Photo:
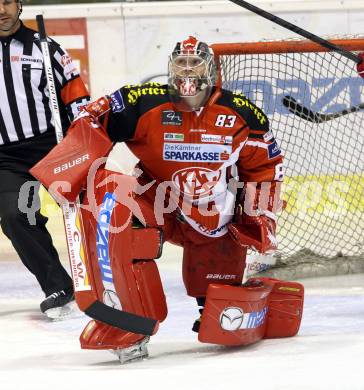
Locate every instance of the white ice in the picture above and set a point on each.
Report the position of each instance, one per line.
(328, 353)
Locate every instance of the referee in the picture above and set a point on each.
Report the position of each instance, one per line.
(27, 134)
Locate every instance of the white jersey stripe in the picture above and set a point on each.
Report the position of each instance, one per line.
(5, 110)
(258, 144)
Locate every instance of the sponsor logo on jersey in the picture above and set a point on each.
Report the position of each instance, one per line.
(25, 59)
(172, 118)
(273, 150)
(178, 137)
(66, 60)
(242, 101)
(217, 139)
(136, 91)
(268, 136)
(197, 130)
(196, 182)
(213, 232)
(196, 152)
(234, 318)
(117, 102)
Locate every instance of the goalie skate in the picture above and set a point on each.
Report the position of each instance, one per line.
(137, 351)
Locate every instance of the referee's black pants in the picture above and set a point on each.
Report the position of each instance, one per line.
(24, 227)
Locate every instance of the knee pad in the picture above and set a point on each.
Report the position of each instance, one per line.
(214, 260)
(262, 308)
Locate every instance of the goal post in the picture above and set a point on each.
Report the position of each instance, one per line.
(321, 231)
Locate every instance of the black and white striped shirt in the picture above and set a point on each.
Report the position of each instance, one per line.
(24, 98)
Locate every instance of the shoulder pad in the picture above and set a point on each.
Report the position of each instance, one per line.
(254, 116)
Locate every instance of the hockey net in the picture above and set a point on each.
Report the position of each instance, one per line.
(321, 231)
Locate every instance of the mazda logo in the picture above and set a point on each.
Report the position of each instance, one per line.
(111, 299)
(231, 318)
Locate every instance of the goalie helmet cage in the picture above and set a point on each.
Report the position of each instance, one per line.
(321, 230)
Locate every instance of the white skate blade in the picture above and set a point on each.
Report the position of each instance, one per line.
(58, 313)
(135, 352)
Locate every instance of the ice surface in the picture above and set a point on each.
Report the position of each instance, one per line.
(328, 353)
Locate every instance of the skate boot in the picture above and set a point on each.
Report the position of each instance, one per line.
(125, 345)
(59, 304)
(196, 325)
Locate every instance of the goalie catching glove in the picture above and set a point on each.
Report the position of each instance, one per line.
(255, 232)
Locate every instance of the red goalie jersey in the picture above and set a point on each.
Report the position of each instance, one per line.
(199, 154)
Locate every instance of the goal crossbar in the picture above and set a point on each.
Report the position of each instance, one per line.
(289, 46)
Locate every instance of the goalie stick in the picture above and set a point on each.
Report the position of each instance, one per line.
(316, 117)
(84, 295)
(298, 30)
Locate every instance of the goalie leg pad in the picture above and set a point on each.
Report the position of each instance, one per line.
(285, 308)
(120, 260)
(242, 315)
(234, 315)
(150, 289)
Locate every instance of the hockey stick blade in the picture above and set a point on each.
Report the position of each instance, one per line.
(302, 111)
(122, 319)
(316, 117)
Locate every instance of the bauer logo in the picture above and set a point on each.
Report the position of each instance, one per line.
(117, 102)
(71, 164)
(231, 318)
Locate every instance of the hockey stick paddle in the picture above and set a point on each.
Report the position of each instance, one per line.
(283, 23)
(85, 297)
(316, 117)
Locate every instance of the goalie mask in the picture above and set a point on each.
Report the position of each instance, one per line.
(191, 74)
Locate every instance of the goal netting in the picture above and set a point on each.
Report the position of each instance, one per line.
(321, 231)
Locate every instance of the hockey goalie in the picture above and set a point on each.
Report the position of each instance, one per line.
(208, 179)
